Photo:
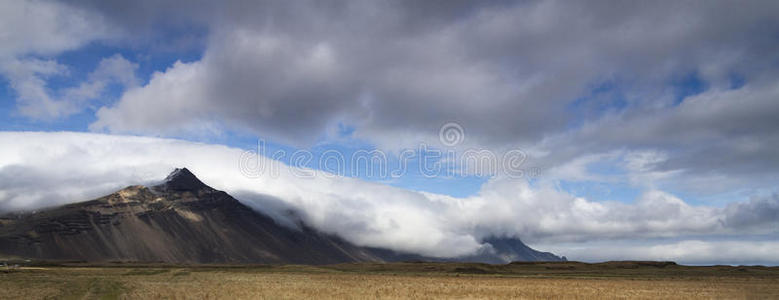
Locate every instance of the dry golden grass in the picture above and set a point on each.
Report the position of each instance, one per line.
(285, 285)
(333, 282)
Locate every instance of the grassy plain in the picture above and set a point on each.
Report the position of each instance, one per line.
(569, 280)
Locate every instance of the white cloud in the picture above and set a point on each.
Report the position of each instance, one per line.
(42, 28)
(702, 252)
(40, 169)
(174, 88)
(46, 28)
(30, 30)
(28, 78)
(114, 69)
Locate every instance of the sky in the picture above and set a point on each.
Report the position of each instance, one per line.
(598, 130)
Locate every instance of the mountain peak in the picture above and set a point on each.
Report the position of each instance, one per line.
(181, 179)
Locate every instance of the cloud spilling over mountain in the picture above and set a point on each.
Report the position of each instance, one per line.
(181, 220)
(44, 169)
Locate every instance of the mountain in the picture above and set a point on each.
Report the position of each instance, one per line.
(498, 251)
(506, 250)
(183, 220)
(180, 221)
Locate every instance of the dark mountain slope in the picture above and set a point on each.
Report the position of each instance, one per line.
(180, 221)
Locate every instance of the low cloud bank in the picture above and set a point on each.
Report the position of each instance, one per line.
(44, 169)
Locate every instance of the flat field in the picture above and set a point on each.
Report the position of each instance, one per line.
(649, 280)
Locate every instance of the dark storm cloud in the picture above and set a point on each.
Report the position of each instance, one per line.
(758, 213)
(395, 67)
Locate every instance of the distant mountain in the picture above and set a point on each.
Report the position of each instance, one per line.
(506, 250)
(499, 251)
(185, 221)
